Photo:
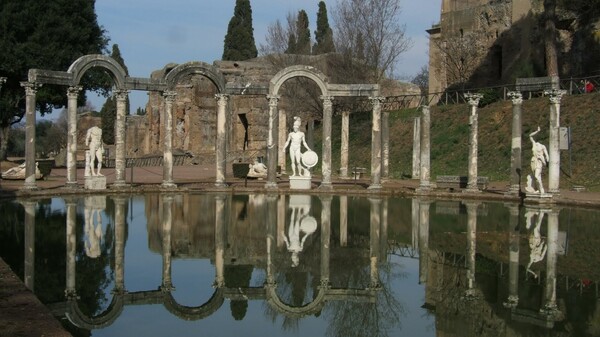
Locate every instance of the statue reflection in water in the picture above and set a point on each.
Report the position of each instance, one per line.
(302, 225)
(93, 225)
(536, 244)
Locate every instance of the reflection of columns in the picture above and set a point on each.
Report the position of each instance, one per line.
(272, 143)
(376, 143)
(281, 210)
(325, 239)
(344, 145)
(423, 239)
(29, 272)
(121, 96)
(72, 93)
(513, 256)
(384, 228)
(221, 155)
(550, 306)
(473, 100)
(343, 220)
(168, 140)
(425, 171)
(31, 89)
(515, 156)
(326, 163)
(374, 247)
(415, 224)
(71, 205)
(167, 221)
(385, 144)
(282, 138)
(416, 154)
(120, 233)
(554, 141)
(271, 234)
(220, 240)
(471, 243)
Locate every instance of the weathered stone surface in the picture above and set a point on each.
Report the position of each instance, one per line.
(95, 183)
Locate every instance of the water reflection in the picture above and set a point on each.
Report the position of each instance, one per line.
(485, 269)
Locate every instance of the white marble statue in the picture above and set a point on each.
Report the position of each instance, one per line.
(93, 139)
(257, 170)
(539, 159)
(295, 140)
(18, 172)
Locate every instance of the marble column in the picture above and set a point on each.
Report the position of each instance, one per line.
(120, 235)
(516, 169)
(423, 239)
(344, 144)
(376, 151)
(121, 96)
(272, 143)
(513, 256)
(325, 239)
(343, 220)
(170, 97)
(282, 139)
(31, 89)
(29, 258)
(425, 170)
(471, 245)
(167, 222)
(473, 100)
(416, 154)
(550, 307)
(326, 160)
(71, 244)
(221, 155)
(220, 240)
(385, 145)
(374, 236)
(72, 94)
(554, 141)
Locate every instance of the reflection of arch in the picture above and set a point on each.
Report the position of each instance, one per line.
(298, 71)
(105, 319)
(195, 68)
(84, 63)
(194, 313)
(311, 308)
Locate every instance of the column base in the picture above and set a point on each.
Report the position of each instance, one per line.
(471, 190)
(30, 186)
(374, 187)
(168, 185)
(513, 190)
(325, 186)
(271, 185)
(221, 184)
(424, 187)
(119, 184)
(72, 185)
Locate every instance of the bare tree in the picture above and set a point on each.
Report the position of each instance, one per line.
(376, 25)
(460, 55)
(422, 80)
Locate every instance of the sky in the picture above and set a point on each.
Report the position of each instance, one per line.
(153, 33)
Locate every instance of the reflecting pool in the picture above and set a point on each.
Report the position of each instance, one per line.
(299, 265)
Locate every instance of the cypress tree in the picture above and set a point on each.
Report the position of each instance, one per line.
(302, 34)
(108, 113)
(239, 41)
(323, 34)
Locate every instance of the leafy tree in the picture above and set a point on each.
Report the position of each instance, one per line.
(239, 41)
(44, 35)
(422, 80)
(323, 34)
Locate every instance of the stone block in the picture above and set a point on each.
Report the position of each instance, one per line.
(300, 183)
(95, 183)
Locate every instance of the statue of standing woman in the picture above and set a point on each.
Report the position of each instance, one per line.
(295, 140)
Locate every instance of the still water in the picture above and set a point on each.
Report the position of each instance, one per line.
(298, 265)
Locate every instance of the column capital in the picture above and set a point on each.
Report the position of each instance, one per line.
(31, 88)
(425, 108)
(473, 99)
(516, 97)
(376, 100)
(555, 95)
(222, 99)
(73, 91)
(273, 100)
(121, 94)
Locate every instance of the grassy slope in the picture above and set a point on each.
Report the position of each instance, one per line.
(450, 133)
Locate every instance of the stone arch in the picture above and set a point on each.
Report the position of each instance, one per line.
(311, 308)
(84, 63)
(194, 313)
(108, 317)
(298, 71)
(195, 68)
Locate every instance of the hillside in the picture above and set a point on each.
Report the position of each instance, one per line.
(450, 132)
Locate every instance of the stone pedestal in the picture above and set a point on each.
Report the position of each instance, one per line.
(300, 183)
(544, 198)
(95, 183)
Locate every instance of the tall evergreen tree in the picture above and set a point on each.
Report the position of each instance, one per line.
(108, 113)
(239, 41)
(323, 34)
(302, 34)
(43, 35)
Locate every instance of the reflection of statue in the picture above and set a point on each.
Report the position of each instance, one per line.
(257, 170)
(93, 139)
(300, 222)
(539, 158)
(536, 243)
(93, 227)
(296, 139)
